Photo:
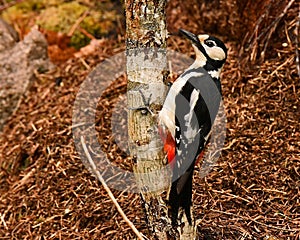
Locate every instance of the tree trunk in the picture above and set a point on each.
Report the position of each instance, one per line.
(146, 69)
(146, 91)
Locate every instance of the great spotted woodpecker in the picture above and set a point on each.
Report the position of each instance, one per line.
(187, 116)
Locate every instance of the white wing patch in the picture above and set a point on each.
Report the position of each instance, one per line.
(193, 101)
(167, 114)
(191, 133)
(214, 73)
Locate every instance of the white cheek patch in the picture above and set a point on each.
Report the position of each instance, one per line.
(216, 53)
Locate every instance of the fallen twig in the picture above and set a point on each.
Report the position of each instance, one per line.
(110, 194)
(265, 35)
(10, 4)
(297, 43)
(274, 25)
(77, 23)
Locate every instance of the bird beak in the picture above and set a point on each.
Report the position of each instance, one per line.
(192, 37)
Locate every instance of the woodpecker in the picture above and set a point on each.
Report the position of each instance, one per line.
(187, 116)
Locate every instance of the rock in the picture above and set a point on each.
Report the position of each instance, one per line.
(8, 36)
(17, 67)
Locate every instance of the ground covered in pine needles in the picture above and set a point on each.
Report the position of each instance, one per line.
(252, 193)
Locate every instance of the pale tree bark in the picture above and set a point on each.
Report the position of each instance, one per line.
(146, 72)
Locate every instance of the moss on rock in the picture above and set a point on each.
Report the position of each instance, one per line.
(61, 16)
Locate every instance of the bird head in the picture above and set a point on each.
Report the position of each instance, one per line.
(211, 52)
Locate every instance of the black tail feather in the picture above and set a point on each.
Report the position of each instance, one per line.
(181, 198)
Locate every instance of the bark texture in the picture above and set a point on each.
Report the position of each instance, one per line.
(146, 69)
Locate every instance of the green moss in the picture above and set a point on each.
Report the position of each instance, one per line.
(61, 16)
(28, 6)
(64, 16)
(27, 10)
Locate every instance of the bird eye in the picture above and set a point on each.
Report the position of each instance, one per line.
(210, 43)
